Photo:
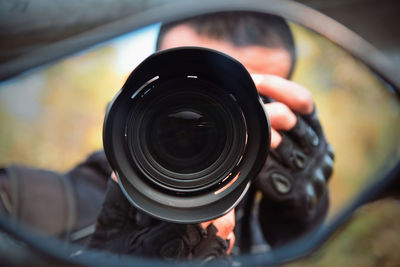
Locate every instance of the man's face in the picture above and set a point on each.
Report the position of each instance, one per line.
(257, 59)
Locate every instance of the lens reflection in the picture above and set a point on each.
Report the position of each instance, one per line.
(187, 139)
(183, 134)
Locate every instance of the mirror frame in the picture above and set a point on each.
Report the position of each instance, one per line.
(177, 10)
(146, 15)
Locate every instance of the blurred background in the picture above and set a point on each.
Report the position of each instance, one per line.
(52, 118)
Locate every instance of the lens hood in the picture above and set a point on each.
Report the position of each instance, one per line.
(186, 134)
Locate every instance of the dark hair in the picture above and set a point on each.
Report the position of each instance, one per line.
(240, 28)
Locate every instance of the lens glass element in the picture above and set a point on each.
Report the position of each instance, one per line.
(189, 137)
(186, 134)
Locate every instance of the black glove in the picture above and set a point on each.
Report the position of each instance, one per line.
(123, 229)
(294, 181)
(178, 241)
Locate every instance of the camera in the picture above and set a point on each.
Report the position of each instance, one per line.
(186, 134)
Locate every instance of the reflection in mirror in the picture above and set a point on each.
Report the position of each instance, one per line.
(54, 121)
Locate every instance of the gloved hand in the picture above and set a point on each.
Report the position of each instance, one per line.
(123, 229)
(294, 181)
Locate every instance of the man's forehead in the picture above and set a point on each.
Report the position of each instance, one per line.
(256, 58)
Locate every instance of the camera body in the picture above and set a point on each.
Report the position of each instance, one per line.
(186, 134)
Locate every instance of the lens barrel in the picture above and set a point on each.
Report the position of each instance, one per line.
(186, 134)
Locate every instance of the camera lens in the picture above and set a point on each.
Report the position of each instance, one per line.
(186, 137)
(186, 134)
